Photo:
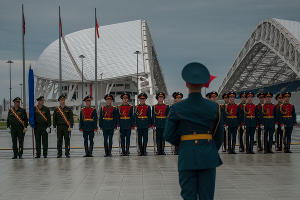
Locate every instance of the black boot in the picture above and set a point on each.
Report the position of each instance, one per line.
(145, 150)
(86, 148)
(91, 151)
(163, 148)
(127, 149)
(123, 150)
(106, 150)
(233, 149)
(109, 150)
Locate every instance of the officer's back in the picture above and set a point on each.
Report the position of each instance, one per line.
(195, 115)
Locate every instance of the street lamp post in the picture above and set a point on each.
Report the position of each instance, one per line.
(101, 75)
(21, 85)
(137, 72)
(9, 62)
(82, 57)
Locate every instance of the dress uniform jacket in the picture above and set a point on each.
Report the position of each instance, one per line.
(195, 115)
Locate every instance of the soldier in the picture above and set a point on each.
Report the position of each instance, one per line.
(42, 120)
(231, 114)
(142, 115)
(177, 98)
(196, 125)
(268, 119)
(160, 112)
(226, 101)
(17, 121)
(241, 117)
(250, 122)
(287, 120)
(125, 122)
(213, 96)
(108, 123)
(88, 125)
(63, 120)
(261, 97)
(277, 126)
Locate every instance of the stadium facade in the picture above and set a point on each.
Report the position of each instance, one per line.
(268, 61)
(270, 56)
(116, 62)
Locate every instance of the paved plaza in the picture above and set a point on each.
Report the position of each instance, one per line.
(242, 176)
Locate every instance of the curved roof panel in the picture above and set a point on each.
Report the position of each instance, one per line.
(115, 56)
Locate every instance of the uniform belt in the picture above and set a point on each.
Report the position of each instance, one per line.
(268, 117)
(124, 117)
(287, 116)
(197, 136)
(250, 117)
(88, 120)
(143, 117)
(231, 117)
(161, 117)
(105, 118)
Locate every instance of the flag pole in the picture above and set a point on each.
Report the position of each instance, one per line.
(96, 72)
(23, 52)
(60, 70)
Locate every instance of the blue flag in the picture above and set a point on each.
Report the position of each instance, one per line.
(31, 97)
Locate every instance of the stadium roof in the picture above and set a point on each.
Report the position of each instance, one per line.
(270, 56)
(114, 49)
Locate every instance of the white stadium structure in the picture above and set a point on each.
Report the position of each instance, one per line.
(116, 62)
(269, 60)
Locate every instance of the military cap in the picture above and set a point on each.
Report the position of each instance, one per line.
(214, 93)
(175, 94)
(143, 95)
(225, 95)
(268, 94)
(61, 97)
(41, 98)
(160, 94)
(195, 73)
(125, 94)
(243, 94)
(260, 94)
(250, 94)
(287, 94)
(88, 98)
(278, 95)
(108, 95)
(231, 94)
(17, 99)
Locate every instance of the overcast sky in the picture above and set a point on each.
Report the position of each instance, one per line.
(209, 31)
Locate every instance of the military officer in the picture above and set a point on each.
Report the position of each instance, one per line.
(125, 122)
(231, 114)
(88, 125)
(17, 121)
(226, 101)
(177, 98)
(213, 96)
(108, 123)
(243, 97)
(261, 97)
(287, 120)
(42, 119)
(277, 126)
(250, 122)
(196, 125)
(160, 112)
(268, 118)
(63, 120)
(143, 121)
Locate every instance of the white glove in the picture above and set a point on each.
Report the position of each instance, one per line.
(118, 128)
(226, 128)
(48, 130)
(54, 130)
(282, 128)
(154, 127)
(262, 127)
(243, 127)
(276, 126)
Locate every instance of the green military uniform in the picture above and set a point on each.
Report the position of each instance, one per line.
(196, 124)
(17, 121)
(63, 128)
(42, 120)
